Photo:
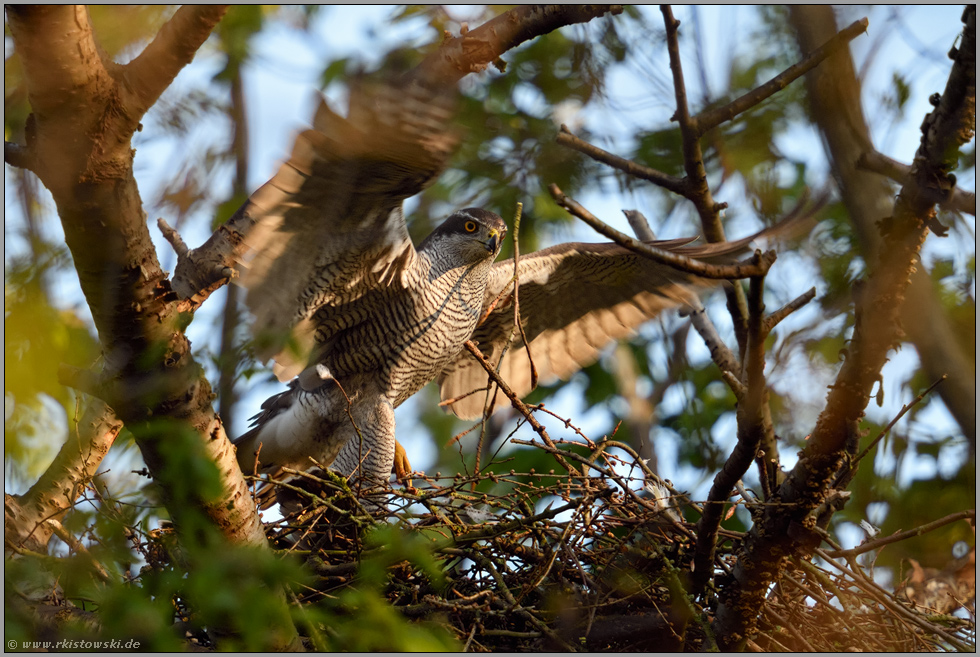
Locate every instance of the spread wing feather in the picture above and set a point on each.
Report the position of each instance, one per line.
(328, 227)
(574, 299)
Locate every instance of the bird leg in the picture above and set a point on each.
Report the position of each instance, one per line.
(368, 440)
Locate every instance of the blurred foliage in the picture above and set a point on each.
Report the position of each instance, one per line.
(509, 120)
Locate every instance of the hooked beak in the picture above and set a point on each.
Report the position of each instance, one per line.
(494, 241)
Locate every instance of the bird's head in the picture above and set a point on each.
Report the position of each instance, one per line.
(472, 235)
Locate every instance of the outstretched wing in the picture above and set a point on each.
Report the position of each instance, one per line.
(329, 225)
(574, 300)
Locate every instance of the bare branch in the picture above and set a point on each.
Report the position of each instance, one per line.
(875, 333)
(55, 492)
(757, 266)
(58, 51)
(834, 95)
(754, 430)
(720, 353)
(82, 141)
(870, 546)
(518, 325)
(474, 50)
(640, 225)
(697, 178)
(737, 387)
(712, 118)
(960, 201)
(845, 476)
(787, 310)
(171, 50)
(171, 235)
(698, 191)
(668, 182)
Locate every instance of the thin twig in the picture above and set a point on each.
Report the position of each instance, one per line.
(668, 182)
(720, 353)
(640, 225)
(772, 320)
(758, 265)
(517, 306)
(80, 548)
(847, 475)
(714, 117)
(171, 235)
(520, 406)
(901, 536)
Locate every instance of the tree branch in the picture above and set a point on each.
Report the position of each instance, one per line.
(64, 480)
(714, 117)
(668, 182)
(870, 546)
(787, 310)
(834, 95)
(757, 266)
(721, 355)
(85, 158)
(640, 225)
(960, 201)
(876, 332)
(754, 430)
(471, 52)
(173, 47)
(844, 476)
(697, 178)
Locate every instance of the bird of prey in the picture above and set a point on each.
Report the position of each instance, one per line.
(363, 319)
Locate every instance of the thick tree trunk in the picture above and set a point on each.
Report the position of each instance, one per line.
(85, 111)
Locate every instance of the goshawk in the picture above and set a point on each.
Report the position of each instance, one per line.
(363, 319)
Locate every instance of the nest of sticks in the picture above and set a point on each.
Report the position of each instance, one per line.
(586, 558)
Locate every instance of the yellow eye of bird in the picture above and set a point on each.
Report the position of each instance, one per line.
(470, 226)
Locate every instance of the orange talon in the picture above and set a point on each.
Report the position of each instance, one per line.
(401, 467)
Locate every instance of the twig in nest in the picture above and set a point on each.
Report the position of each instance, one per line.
(520, 406)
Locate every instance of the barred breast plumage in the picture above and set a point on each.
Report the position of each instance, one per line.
(375, 350)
